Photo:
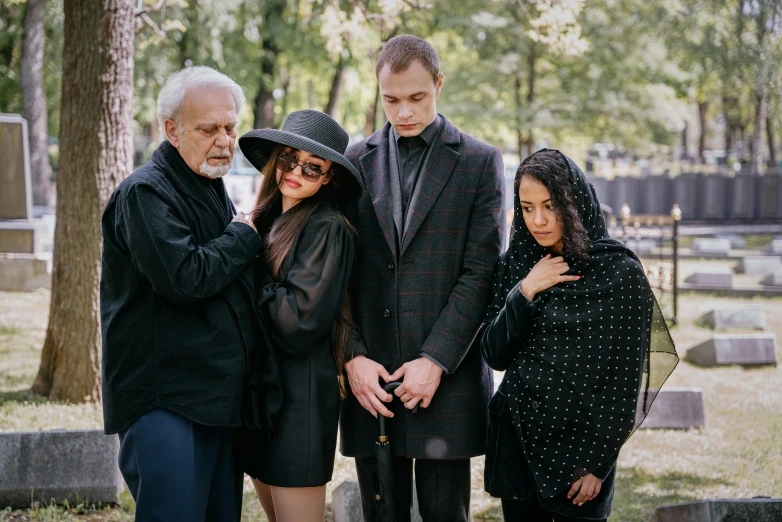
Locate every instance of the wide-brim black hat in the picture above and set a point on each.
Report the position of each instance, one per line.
(311, 131)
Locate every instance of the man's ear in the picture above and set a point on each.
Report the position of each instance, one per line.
(438, 84)
(172, 132)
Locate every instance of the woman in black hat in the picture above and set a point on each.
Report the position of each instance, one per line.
(584, 347)
(304, 274)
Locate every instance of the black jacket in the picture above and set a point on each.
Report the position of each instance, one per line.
(299, 311)
(177, 300)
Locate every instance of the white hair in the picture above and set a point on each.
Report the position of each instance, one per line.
(172, 95)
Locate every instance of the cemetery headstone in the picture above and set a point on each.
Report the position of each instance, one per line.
(749, 316)
(736, 241)
(346, 503)
(15, 198)
(65, 465)
(676, 408)
(741, 349)
(759, 265)
(710, 245)
(774, 279)
(722, 277)
(723, 510)
(774, 247)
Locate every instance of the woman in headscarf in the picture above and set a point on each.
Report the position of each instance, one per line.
(576, 328)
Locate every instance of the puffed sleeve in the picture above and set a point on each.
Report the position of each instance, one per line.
(303, 307)
(502, 337)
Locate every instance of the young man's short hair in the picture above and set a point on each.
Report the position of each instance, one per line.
(400, 51)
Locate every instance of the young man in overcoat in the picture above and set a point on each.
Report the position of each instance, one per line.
(430, 223)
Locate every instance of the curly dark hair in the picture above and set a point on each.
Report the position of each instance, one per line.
(552, 170)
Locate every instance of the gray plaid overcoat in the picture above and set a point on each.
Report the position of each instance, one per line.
(427, 293)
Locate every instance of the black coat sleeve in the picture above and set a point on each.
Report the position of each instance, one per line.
(303, 307)
(503, 335)
(162, 247)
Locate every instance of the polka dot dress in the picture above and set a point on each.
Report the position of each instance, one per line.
(594, 355)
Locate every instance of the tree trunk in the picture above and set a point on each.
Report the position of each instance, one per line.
(371, 122)
(34, 100)
(772, 153)
(264, 99)
(703, 107)
(96, 153)
(519, 117)
(760, 97)
(531, 60)
(335, 94)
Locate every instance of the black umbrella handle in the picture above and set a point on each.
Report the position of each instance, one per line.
(381, 420)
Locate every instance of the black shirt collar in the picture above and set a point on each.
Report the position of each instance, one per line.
(428, 134)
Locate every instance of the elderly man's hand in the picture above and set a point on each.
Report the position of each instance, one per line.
(241, 217)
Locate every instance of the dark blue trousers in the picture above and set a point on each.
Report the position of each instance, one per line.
(179, 470)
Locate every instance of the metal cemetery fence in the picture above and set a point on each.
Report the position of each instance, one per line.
(714, 197)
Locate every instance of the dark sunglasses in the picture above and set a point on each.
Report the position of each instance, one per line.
(286, 162)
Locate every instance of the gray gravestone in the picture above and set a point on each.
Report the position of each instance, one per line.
(676, 408)
(750, 316)
(759, 265)
(23, 273)
(736, 241)
(641, 245)
(742, 349)
(712, 277)
(15, 198)
(723, 510)
(775, 247)
(346, 503)
(710, 245)
(16, 230)
(69, 465)
(774, 279)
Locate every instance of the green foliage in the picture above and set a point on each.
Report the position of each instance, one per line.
(628, 72)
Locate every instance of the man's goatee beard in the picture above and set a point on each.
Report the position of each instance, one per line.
(214, 171)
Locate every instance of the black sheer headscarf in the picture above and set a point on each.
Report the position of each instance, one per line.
(596, 356)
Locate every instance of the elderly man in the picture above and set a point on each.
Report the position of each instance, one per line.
(176, 310)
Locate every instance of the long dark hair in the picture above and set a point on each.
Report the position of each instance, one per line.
(279, 231)
(551, 169)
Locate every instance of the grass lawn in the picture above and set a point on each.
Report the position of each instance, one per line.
(739, 454)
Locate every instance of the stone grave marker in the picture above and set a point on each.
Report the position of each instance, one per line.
(774, 279)
(759, 265)
(64, 465)
(710, 245)
(642, 245)
(16, 198)
(774, 247)
(722, 277)
(742, 349)
(20, 270)
(749, 316)
(346, 503)
(760, 509)
(676, 408)
(736, 241)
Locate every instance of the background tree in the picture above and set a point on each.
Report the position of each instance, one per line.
(96, 153)
(34, 101)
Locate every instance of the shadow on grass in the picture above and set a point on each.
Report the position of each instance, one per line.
(21, 396)
(638, 494)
